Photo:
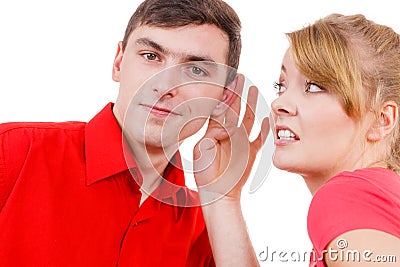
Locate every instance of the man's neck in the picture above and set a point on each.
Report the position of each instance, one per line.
(151, 163)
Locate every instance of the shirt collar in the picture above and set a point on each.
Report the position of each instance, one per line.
(103, 147)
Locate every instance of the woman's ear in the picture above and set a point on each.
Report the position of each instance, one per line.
(231, 92)
(117, 63)
(388, 117)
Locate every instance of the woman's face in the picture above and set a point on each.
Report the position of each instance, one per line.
(314, 136)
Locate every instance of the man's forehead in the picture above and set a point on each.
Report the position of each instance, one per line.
(198, 42)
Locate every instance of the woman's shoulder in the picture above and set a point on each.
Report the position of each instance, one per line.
(375, 176)
(363, 181)
(361, 199)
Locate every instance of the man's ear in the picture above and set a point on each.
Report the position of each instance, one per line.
(388, 117)
(117, 63)
(231, 92)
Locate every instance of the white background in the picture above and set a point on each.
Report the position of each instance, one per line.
(55, 65)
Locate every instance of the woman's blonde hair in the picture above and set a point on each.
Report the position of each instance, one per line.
(356, 59)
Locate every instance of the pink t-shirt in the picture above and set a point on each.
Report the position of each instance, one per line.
(363, 199)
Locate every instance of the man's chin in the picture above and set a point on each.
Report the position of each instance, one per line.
(158, 142)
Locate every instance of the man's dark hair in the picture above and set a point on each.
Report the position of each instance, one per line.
(179, 13)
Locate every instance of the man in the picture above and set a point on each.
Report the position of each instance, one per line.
(67, 197)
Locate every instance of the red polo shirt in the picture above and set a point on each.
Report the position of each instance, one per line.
(67, 198)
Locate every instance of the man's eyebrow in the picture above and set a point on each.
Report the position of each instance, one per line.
(186, 57)
(150, 43)
(198, 58)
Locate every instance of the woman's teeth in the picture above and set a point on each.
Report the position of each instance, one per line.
(286, 135)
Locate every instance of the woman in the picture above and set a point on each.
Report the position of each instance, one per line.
(336, 123)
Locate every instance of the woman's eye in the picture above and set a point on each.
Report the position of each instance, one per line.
(150, 56)
(313, 88)
(279, 87)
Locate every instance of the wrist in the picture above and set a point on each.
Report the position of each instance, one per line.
(215, 198)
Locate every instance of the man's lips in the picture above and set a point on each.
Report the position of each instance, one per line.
(159, 111)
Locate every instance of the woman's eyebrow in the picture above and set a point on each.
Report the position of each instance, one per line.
(283, 68)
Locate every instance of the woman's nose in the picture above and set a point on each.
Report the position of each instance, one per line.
(284, 105)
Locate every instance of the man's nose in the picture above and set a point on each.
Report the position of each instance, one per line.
(166, 82)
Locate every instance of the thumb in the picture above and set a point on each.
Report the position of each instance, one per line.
(216, 129)
(204, 154)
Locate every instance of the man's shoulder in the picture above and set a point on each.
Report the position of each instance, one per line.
(25, 127)
(22, 134)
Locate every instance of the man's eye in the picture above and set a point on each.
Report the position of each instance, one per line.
(150, 56)
(279, 87)
(197, 71)
(313, 88)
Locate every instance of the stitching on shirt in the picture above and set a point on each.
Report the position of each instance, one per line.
(3, 177)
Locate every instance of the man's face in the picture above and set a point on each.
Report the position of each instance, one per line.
(154, 104)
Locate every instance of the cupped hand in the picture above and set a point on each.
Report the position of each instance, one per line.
(224, 156)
